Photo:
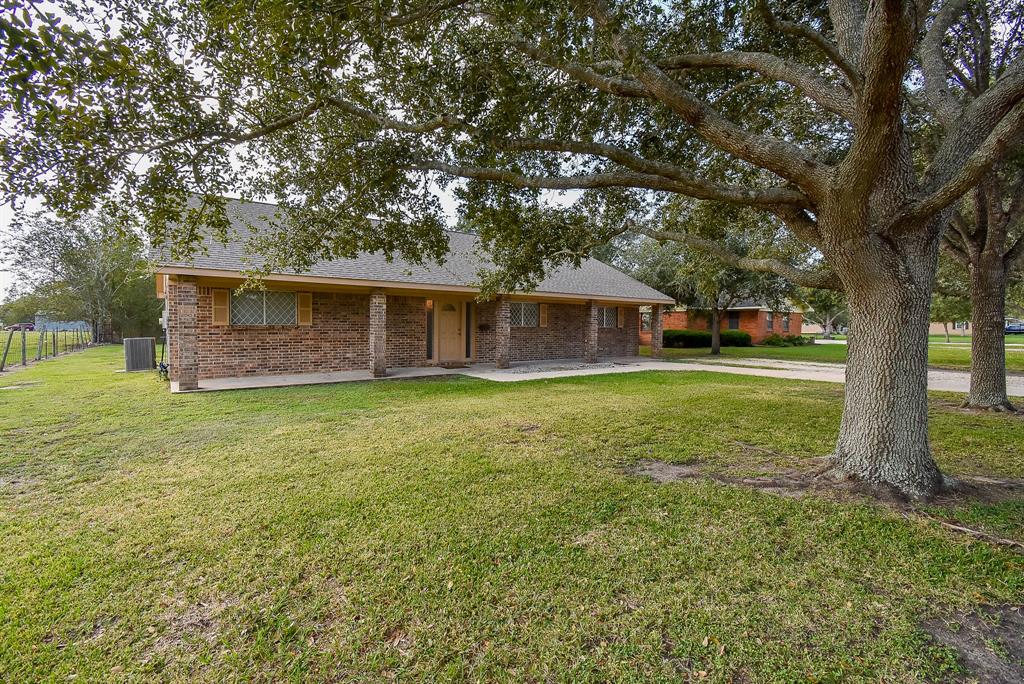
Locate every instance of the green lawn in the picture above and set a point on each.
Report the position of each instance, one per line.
(939, 356)
(455, 529)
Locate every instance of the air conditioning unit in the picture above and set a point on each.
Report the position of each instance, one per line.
(139, 353)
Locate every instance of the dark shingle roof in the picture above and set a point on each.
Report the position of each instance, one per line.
(465, 259)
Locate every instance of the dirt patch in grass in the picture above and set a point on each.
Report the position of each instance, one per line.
(821, 480)
(186, 623)
(989, 642)
(12, 483)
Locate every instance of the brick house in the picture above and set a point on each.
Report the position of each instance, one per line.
(370, 314)
(750, 317)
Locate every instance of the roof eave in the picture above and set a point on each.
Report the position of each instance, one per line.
(173, 269)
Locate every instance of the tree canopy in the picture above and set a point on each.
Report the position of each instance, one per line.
(811, 114)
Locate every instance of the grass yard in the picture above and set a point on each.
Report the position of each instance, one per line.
(455, 529)
(939, 356)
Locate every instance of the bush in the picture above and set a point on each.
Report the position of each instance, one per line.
(692, 339)
(799, 341)
(735, 338)
(686, 339)
(777, 340)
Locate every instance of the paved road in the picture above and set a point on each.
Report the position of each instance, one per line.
(940, 380)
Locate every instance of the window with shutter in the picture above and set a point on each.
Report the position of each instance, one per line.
(263, 308)
(543, 315)
(620, 317)
(524, 314)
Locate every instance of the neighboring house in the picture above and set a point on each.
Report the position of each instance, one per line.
(370, 314)
(961, 328)
(751, 317)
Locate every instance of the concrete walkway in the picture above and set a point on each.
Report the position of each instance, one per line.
(939, 380)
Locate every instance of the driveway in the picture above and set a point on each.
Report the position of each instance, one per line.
(938, 380)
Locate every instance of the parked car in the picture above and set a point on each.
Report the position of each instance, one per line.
(1014, 328)
(22, 326)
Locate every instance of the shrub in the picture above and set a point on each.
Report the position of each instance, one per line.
(686, 339)
(774, 340)
(692, 339)
(798, 340)
(735, 338)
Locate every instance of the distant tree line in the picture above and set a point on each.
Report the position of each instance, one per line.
(92, 269)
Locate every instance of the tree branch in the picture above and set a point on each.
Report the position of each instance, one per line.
(778, 156)
(1014, 254)
(680, 180)
(609, 84)
(687, 183)
(942, 102)
(955, 251)
(610, 179)
(820, 41)
(797, 75)
(970, 173)
(824, 280)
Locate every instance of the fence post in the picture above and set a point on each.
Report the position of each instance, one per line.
(7, 348)
(53, 344)
(24, 347)
(39, 344)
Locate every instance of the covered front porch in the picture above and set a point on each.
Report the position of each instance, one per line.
(323, 332)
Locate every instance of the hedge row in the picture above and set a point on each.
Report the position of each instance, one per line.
(690, 339)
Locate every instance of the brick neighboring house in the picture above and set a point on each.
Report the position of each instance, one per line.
(751, 317)
(370, 314)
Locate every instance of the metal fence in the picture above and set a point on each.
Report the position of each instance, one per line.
(20, 347)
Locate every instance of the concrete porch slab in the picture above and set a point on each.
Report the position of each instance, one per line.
(296, 379)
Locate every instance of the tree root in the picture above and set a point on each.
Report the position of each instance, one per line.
(969, 531)
(1003, 406)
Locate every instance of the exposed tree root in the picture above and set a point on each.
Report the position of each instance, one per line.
(969, 531)
(998, 407)
(829, 479)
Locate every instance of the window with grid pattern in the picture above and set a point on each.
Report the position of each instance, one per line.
(524, 314)
(771, 321)
(262, 308)
(785, 323)
(608, 316)
(734, 320)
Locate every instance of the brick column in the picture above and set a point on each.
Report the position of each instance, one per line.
(590, 333)
(378, 333)
(502, 334)
(657, 330)
(182, 312)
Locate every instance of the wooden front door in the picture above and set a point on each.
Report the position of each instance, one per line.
(451, 344)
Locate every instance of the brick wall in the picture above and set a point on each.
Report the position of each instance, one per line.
(407, 332)
(561, 339)
(338, 338)
(622, 341)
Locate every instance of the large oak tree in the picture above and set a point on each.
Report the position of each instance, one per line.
(346, 110)
(971, 46)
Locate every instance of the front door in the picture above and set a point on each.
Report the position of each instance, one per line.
(451, 344)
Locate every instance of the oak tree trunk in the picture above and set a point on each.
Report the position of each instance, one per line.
(945, 326)
(988, 349)
(716, 332)
(883, 435)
